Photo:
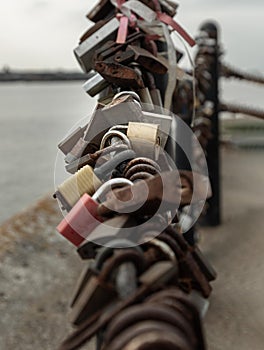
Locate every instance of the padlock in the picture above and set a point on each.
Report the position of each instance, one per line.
(148, 61)
(78, 150)
(187, 304)
(111, 50)
(172, 330)
(144, 131)
(125, 109)
(156, 277)
(70, 141)
(188, 266)
(80, 221)
(81, 147)
(85, 51)
(91, 30)
(119, 74)
(126, 54)
(83, 181)
(102, 9)
(145, 139)
(88, 180)
(71, 218)
(162, 191)
(95, 85)
(101, 121)
(92, 295)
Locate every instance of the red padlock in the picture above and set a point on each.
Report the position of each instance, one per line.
(80, 221)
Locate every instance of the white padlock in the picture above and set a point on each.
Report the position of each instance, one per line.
(145, 139)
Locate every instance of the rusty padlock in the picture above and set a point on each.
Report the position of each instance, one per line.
(91, 295)
(151, 280)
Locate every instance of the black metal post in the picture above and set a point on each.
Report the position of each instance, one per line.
(213, 215)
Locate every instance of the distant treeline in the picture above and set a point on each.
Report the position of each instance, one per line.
(42, 76)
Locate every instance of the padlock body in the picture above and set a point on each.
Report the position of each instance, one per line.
(80, 221)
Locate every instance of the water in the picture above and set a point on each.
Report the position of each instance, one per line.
(35, 117)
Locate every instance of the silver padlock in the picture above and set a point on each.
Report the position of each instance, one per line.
(70, 141)
(85, 51)
(124, 110)
(95, 85)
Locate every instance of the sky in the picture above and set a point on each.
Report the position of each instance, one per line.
(41, 34)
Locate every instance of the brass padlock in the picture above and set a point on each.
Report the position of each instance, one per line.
(144, 139)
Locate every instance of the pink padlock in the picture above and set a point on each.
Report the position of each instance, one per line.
(80, 221)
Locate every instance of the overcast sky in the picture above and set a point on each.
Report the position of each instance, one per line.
(42, 33)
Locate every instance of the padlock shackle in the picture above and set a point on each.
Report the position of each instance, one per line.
(107, 186)
(117, 134)
(104, 170)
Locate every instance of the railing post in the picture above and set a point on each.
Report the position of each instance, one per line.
(213, 216)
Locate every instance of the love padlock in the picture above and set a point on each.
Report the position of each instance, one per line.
(83, 218)
(80, 221)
